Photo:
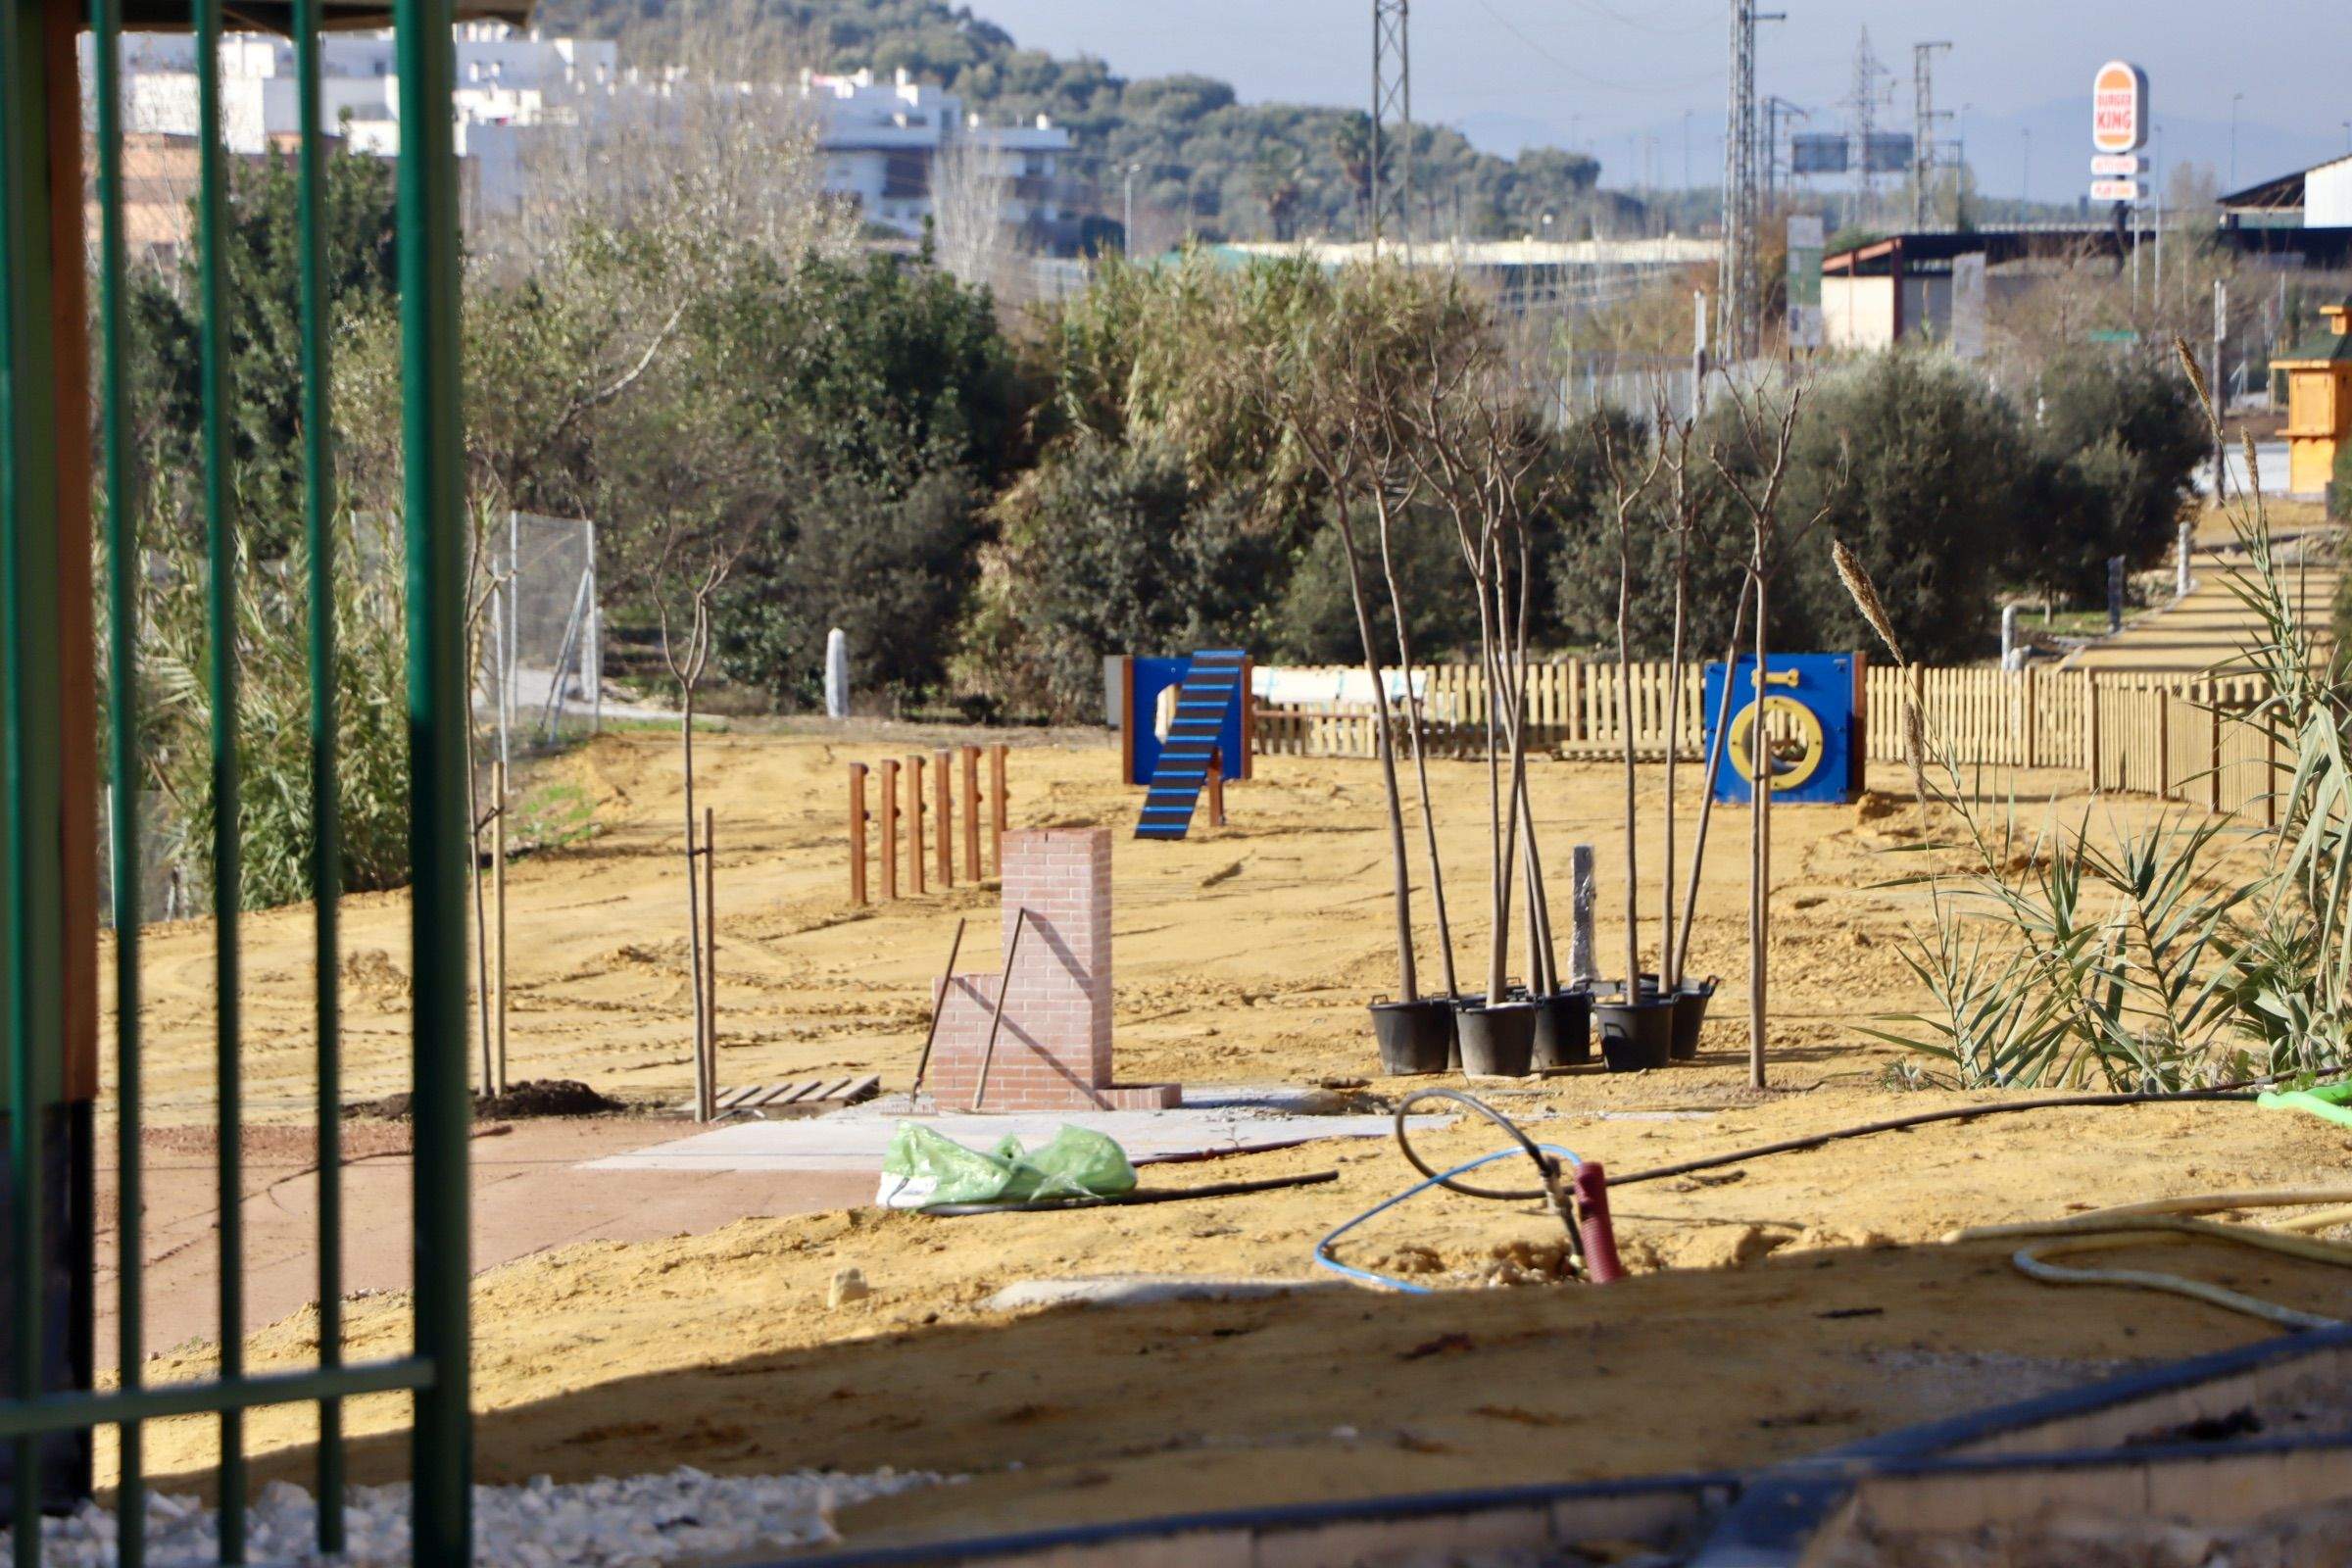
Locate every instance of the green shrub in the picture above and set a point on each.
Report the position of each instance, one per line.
(1109, 548)
(272, 606)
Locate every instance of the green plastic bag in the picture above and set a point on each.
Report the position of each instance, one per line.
(922, 1168)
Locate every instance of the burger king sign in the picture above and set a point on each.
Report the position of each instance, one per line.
(2119, 108)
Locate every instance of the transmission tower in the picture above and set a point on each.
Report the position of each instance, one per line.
(1778, 113)
(1922, 135)
(1735, 291)
(1864, 107)
(1391, 113)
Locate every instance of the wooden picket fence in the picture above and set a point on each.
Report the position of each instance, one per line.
(2188, 740)
(2172, 735)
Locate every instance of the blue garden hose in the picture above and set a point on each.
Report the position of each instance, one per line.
(1365, 1276)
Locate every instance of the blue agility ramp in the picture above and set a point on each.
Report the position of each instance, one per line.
(1210, 724)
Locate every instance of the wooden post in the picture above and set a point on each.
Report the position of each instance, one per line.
(2164, 742)
(857, 834)
(703, 1095)
(1248, 701)
(944, 789)
(2029, 717)
(497, 900)
(996, 808)
(2270, 773)
(1127, 720)
(971, 815)
(2090, 729)
(890, 828)
(710, 967)
(1216, 789)
(914, 825)
(2213, 748)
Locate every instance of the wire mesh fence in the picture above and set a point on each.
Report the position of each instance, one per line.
(540, 670)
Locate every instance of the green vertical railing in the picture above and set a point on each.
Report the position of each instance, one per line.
(435, 523)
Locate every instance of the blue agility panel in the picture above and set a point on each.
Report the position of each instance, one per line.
(1812, 718)
(1210, 717)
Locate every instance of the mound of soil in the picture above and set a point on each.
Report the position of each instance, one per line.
(540, 1096)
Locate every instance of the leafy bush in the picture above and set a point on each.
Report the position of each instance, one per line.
(2116, 446)
(1109, 548)
(272, 610)
(892, 571)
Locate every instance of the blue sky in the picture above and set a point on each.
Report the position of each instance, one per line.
(1617, 76)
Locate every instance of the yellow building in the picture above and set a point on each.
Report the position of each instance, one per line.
(2319, 401)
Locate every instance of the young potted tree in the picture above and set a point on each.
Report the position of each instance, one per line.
(1332, 384)
(1482, 452)
(1635, 1026)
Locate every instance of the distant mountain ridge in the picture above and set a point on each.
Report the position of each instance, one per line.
(1211, 166)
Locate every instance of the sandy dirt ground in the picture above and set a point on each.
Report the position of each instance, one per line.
(1782, 1308)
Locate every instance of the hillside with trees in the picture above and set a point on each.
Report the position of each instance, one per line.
(1211, 166)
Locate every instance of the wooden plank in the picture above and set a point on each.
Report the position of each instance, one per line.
(862, 1089)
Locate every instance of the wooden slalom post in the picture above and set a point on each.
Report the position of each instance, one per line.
(857, 834)
(914, 825)
(971, 813)
(996, 808)
(890, 828)
(944, 788)
(1216, 788)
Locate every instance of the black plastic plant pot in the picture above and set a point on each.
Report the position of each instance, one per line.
(1497, 1041)
(1415, 1037)
(1691, 1000)
(1564, 1029)
(1635, 1036)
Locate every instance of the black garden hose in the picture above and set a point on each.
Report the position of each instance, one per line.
(2237, 1092)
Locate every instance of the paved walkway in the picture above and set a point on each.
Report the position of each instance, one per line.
(2208, 628)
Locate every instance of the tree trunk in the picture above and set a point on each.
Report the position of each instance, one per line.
(1759, 881)
(1407, 987)
(693, 903)
(1412, 721)
(1706, 801)
(1670, 968)
(1625, 716)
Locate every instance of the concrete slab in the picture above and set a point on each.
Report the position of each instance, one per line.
(849, 1142)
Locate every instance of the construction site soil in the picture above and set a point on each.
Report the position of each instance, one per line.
(1777, 1308)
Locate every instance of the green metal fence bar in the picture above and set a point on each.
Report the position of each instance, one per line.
(441, 1440)
(326, 849)
(67, 1412)
(25, 1274)
(221, 562)
(122, 771)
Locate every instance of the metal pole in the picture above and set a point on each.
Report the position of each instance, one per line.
(996, 1019)
(441, 1434)
(939, 1004)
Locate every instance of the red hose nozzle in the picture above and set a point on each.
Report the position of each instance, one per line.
(1593, 1225)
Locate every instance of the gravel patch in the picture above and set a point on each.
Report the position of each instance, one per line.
(638, 1522)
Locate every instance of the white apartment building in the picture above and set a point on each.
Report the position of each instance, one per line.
(881, 143)
(505, 78)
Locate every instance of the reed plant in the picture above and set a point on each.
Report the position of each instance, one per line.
(2174, 953)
